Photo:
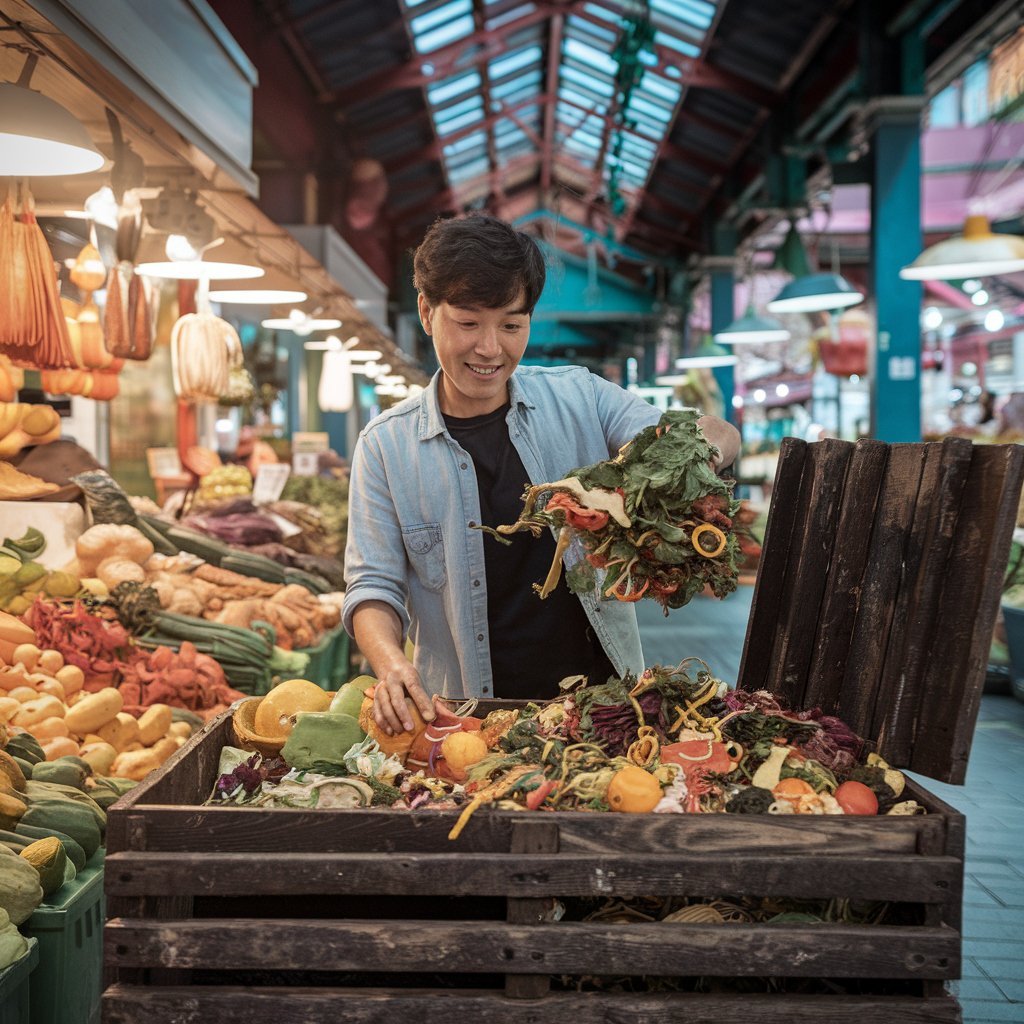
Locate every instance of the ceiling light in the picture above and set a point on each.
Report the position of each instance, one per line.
(301, 323)
(760, 395)
(968, 369)
(980, 297)
(975, 253)
(751, 328)
(971, 285)
(994, 320)
(815, 293)
(195, 270)
(782, 390)
(258, 297)
(38, 137)
(179, 249)
(932, 318)
(737, 401)
(707, 354)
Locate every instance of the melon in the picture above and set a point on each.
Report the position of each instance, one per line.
(349, 700)
(276, 713)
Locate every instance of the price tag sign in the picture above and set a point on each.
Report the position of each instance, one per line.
(305, 463)
(270, 481)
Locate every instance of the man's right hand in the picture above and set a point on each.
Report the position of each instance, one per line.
(389, 707)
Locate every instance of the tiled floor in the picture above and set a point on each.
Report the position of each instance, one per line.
(992, 989)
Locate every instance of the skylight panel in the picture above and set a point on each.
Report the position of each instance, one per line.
(469, 103)
(580, 147)
(445, 34)
(507, 139)
(447, 127)
(697, 13)
(587, 81)
(509, 16)
(439, 15)
(579, 25)
(594, 141)
(674, 43)
(590, 55)
(588, 102)
(598, 11)
(638, 104)
(517, 84)
(513, 62)
(657, 86)
(469, 171)
(445, 90)
(464, 144)
(414, 3)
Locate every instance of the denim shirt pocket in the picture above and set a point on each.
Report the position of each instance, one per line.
(426, 553)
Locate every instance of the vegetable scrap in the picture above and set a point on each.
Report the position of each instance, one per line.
(655, 522)
(676, 740)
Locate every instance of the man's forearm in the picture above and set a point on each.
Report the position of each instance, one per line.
(378, 632)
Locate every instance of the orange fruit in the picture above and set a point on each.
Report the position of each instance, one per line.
(276, 713)
(633, 789)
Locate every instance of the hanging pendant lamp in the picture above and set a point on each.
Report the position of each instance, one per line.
(707, 355)
(335, 392)
(38, 137)
(975, 253)
(751, 328)
(809, 293)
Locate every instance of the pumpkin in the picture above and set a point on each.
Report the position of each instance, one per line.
(75, 853)
(633, 789)
(47, 856)
(13, 945)
(65, 772)
(66, 816)
(11, 811)
(349, 700)
(20, 891)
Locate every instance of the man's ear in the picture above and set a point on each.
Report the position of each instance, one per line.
(425, 312)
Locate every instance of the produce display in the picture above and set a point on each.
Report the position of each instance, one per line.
(224, 482)
(654, 522)
(668, 742)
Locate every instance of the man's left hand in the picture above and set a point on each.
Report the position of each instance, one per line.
(724, 436)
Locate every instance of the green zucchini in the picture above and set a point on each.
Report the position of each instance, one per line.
(254, 565)
(161, 544)
(314, 584)
(33, 832)
(160, 525)
(207, 548)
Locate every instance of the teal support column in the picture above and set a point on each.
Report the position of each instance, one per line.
(335, 424)
(722, 307)
(895, 242)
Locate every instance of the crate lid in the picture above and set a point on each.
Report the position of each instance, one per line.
(878, 589)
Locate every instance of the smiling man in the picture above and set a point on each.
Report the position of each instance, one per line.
(459, 455)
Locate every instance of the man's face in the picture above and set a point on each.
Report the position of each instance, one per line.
(478, 349)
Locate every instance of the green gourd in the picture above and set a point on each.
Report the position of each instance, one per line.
(75, 852)
(107, 791)
(64, 773)
(54, 790)
(20, 891)
(27, 747)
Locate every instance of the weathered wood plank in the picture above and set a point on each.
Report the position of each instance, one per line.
(915, 619)
(969, 604)
(846, 570)
(880, 586)
(810, 552)
(485, 947)
(770, 588)
(529, 838)
(905, 878)
(125, 1004)
(380, 830)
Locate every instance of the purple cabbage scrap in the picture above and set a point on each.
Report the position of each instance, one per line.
(250, 775)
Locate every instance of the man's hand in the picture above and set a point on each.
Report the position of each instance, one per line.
(378, 632)
(724, 436)
(389, 707)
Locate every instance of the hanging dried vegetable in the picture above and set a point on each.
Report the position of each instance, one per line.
(12, 380)
(654, 522)
(129, 319)
(204, 350)
(32, 328)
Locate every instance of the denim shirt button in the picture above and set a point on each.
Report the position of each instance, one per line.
(465, 465)
(471, 524)
(480, 637)
(486, 689)
(476, 583)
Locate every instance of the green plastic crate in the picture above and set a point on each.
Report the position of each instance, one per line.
(328, 662)
(14, 987)
(66, 986)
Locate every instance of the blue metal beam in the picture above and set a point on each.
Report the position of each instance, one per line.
(722, 311)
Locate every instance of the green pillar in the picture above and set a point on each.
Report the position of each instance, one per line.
(895, 242)
(723, 306)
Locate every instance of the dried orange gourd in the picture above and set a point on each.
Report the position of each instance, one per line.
(634, 790)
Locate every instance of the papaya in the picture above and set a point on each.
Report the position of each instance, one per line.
(64, 772)
(32, 832)
(47, 856)
(27, 747)
(68, 817)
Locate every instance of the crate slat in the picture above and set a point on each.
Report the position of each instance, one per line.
(127, 1004)
(380, 830)
(904, 878)
(784, 950)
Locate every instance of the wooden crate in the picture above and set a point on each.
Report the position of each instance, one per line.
(194, 889)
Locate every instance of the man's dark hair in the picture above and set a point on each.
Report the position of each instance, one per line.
(479, 262)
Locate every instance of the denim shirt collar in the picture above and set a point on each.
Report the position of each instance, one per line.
(431, 419)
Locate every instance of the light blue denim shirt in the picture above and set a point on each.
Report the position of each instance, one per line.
(413, 500)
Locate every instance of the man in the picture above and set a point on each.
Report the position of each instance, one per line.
(459, 455)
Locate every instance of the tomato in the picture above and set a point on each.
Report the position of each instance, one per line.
(856, 798)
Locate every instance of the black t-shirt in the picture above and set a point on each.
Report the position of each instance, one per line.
(534, 643)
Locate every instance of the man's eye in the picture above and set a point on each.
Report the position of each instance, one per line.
(467, 323)
(512, 327)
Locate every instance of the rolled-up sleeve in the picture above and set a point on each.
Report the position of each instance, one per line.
(376, 568)
(623, 415)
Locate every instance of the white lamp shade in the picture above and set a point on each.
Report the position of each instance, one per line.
(258, 296)
(194, 270)
(38, 137)
(335, 391)
(976, 253)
